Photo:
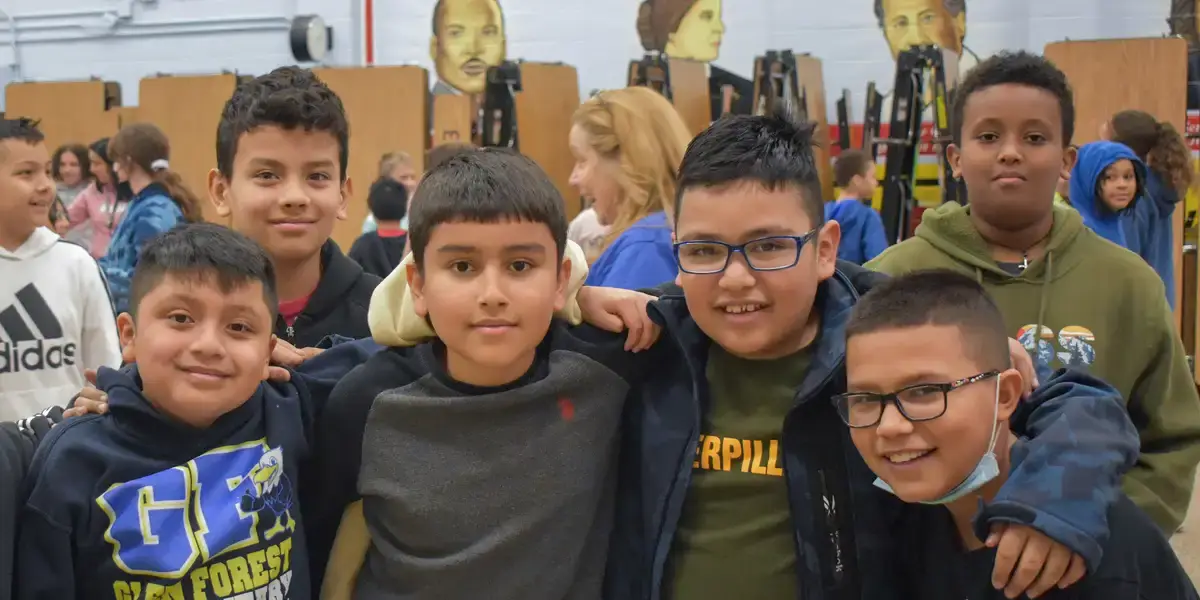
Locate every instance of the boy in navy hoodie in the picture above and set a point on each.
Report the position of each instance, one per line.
(931, 392)
(863, 237)
(282, 151)
(185, 487)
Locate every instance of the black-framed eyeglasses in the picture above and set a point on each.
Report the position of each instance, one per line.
(704, 257)
(921, 402)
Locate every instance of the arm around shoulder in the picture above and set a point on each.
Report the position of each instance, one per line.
(1064, 479)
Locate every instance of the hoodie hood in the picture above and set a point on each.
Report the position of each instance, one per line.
(1093, 159)
(949, 229)
(42, 240)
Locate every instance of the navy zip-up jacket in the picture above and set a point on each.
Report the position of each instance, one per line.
(844, 548)
(132, 504)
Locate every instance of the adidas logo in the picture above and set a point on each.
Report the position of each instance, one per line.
(21, 349)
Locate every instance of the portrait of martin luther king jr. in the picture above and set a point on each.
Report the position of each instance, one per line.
(468, 37)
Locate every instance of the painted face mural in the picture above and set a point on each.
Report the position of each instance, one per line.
(468, 37)
(690, 29)
(908, 23)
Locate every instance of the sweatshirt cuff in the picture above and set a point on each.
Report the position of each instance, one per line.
(1057, 529)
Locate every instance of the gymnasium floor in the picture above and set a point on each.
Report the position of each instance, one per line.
(1187, 544)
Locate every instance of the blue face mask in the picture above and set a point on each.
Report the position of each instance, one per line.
(986, 470)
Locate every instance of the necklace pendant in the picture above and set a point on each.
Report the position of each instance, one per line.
(1024, 262)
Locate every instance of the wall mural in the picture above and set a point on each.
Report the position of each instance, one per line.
(468, 37)
(691, 29)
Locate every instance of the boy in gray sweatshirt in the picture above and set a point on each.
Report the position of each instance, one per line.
(461, 464)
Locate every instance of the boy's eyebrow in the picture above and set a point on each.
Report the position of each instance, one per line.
(271, 162)
(512, 248)
(753, 234)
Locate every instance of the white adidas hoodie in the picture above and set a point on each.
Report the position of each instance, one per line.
(56, 319)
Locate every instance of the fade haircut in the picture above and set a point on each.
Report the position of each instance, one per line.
(289, 98)
(20, 128)
(849, 164)
(769, 151)
(937, 297)
(488, 185)
(1017, 68)
(204, 252)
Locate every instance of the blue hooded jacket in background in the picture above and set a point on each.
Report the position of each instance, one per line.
(1094, 158)
(150, 213)
(641, 257)
(863, 237)
(1149, 232)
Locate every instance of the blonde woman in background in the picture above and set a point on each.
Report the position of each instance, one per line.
(627, 146)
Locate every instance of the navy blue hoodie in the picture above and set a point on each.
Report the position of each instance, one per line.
(843, 524)
(1149, 231)
(132, 504)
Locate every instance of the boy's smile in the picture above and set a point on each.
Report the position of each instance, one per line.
(755, 314)
(202, 349)
(490, 290)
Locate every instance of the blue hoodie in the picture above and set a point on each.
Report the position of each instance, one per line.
(1149, 231)
(641, 257)
(150, 213)
(863, 237)
(1094, 158)
(843, 524)
(137, 504)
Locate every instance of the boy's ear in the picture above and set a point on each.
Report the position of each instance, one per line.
(827, 248)
(416, 287)
(1011, 386)
(347, 194)
(1070, 155)
(127, 334)
(218, 192)
(955, 157)
(564, 280)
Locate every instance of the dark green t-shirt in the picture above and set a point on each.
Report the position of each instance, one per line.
(735, 537)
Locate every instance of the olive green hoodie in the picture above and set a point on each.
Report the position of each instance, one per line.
(1087, 303)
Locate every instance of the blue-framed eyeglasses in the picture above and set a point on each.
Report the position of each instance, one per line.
(774, 253)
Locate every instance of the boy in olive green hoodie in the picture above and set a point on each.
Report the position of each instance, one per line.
(1073, 298)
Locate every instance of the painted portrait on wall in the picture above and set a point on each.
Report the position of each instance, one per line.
(468, 37)
(908, 23)
(691, 29)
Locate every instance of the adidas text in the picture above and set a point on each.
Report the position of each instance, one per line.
(16, 357)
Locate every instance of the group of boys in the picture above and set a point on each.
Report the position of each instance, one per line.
(780, 436)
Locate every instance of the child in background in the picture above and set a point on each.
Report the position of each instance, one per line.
(931, 390)
(57, 219)
(1148, 227)
(140, 155)
(380, 251)
(1071, 298)
(102, 205)
(185, 487)
(282, 151)
(397, 166)
(70, 168)
(1105, 183)
(863, 237)
(56, 319)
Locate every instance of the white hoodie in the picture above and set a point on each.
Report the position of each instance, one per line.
(56, 319)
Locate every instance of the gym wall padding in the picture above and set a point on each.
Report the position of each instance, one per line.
(1153, 78)
(69, 111)
(812, 79)
(188, 110)
(689, 93)
(452, 118)
(549, 96)
(388, 109)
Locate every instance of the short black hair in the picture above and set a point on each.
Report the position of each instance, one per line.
(488, 185)
(1020, 68)
(771, 151)
(388, 199)
(936, 297)
(290, 98)
(849, 164)
(441, 153)
(21, 128)
(204, 250)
